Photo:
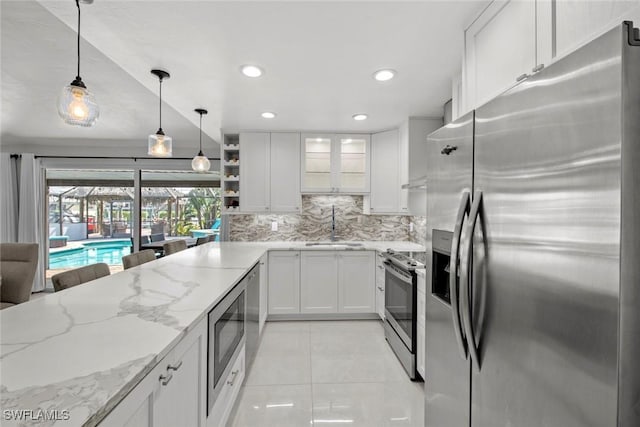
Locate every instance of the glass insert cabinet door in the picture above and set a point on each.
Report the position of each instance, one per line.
(335, 163)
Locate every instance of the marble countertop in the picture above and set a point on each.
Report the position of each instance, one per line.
(83, 349)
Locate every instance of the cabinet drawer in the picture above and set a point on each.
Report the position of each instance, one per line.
(227, 397)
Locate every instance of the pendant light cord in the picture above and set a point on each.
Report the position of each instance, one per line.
(78, 6)
(160, 103)
(200, 132)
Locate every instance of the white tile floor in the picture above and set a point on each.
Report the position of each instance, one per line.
(327, 373)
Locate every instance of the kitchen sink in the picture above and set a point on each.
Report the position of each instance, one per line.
(336, 244)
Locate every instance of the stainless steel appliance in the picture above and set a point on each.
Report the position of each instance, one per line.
(252, 280)
(533, 296)
(400, 300)
(226, 338)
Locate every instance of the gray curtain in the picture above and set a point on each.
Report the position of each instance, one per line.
(8, 199)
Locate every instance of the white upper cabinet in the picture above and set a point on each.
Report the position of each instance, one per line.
(285, 172)
(386, 194)
(254, 172)
(269, 175)
(500, 47)
(352, 174)
(335, 163)
(514, 39)
(578, 22)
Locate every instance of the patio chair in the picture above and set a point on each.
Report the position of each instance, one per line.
(202, 240)
(174, 246)
(18, 264)
(143, 240)
(135, 259)
(157, 237)
(78, 276)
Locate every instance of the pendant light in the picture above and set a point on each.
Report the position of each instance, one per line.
(76, 105)
(160, 144)
(200, 163)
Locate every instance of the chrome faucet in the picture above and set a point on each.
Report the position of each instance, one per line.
(333, 223)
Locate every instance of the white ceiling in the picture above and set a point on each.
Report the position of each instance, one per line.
(318, 58)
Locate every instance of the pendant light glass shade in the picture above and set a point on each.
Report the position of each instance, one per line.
(76, 105)
(200, 163)
(160, 145)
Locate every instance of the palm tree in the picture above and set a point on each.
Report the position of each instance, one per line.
(204, 203)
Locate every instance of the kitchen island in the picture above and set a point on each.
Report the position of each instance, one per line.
(77, 353)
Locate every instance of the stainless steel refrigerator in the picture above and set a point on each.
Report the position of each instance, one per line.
(533, 217)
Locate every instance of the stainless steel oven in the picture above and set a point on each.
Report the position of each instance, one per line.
(226, 338)
(400, 294)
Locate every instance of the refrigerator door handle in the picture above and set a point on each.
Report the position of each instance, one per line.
(465, 203)
(465, 269)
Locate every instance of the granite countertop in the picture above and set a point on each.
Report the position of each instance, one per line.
(83, 349)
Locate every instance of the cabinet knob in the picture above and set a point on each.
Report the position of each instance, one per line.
(233, 377)
(174, 367)
(537, 68)
(522, 77)
(165, 379)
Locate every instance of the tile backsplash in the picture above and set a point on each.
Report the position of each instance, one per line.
(314, 223)
(419, 233)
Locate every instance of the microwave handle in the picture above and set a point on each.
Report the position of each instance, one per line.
(453, 276)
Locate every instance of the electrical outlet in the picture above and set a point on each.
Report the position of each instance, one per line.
(274, 225)
(410, 227)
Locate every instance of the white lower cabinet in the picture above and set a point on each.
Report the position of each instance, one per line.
(356, 282)
(176, 400)
(223, 405)
(284, 282)
(337, 282)
(318, 282)
(421, 321)
(380, 277)
(173, 393)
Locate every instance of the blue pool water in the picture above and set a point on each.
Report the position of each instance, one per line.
(109, 252)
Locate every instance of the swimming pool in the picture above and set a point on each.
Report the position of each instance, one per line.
(109, 252)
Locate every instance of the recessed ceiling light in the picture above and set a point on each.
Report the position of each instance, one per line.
(268, 115)
(251, 70)
(384, 75)
(360, 116)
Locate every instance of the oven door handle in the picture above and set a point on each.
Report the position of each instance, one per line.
(465, 283)
(400, 276)
(464, 207)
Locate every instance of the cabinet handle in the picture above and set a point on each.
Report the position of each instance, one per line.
(537, 68)
(380, 288)
(174, 367)
(381, 267)
(165, 379)
(297, 254)
(522, 77)
(233, 377)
